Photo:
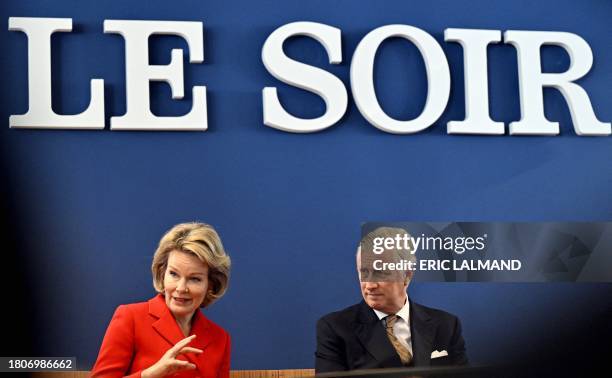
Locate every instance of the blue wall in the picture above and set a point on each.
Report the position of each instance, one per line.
(87, 208)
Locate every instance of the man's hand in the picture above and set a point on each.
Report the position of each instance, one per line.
(169, 364)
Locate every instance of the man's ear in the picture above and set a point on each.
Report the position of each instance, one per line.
(408, 278)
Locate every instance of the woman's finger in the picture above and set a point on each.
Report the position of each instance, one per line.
(183, 365)
(178, 346)
(189, 350)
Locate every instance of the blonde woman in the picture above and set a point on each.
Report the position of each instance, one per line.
(169, 335)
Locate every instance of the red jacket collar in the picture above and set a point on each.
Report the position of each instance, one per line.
(169, 329)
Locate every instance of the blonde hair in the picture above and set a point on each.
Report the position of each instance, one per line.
(202, 241)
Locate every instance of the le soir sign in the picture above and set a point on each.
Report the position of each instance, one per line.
(330, 88)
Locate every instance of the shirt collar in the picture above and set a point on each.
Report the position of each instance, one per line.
(403, 313)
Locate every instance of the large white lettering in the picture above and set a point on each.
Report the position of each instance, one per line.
(474, 44)
(362, 79)
(138, 74)
(40, 114)
(532, 80)
(304, 76)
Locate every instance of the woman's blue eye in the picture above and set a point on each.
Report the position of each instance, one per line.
(173, 274)
(196, 279)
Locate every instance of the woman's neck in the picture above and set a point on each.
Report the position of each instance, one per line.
(184, 324)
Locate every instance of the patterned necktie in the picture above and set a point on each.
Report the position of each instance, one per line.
(402, 351)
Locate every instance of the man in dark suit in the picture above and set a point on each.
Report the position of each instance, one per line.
(387, 329)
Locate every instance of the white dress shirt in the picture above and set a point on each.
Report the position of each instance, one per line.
(401, 328)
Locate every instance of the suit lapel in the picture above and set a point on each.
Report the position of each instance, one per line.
(372, 334)
(423, 332)
(200, 327)
(168, 328)
(165, 325)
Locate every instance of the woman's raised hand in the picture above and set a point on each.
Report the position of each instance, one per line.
(169, 364)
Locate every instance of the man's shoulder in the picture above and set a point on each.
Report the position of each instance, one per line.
(350, 314)
(345, 315)
(433, 313)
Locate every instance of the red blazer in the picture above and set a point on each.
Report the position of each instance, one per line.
(140, 333)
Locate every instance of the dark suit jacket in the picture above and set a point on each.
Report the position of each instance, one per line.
(354, 338)
(140, 333)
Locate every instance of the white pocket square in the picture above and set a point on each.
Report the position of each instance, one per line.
(438, 354)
